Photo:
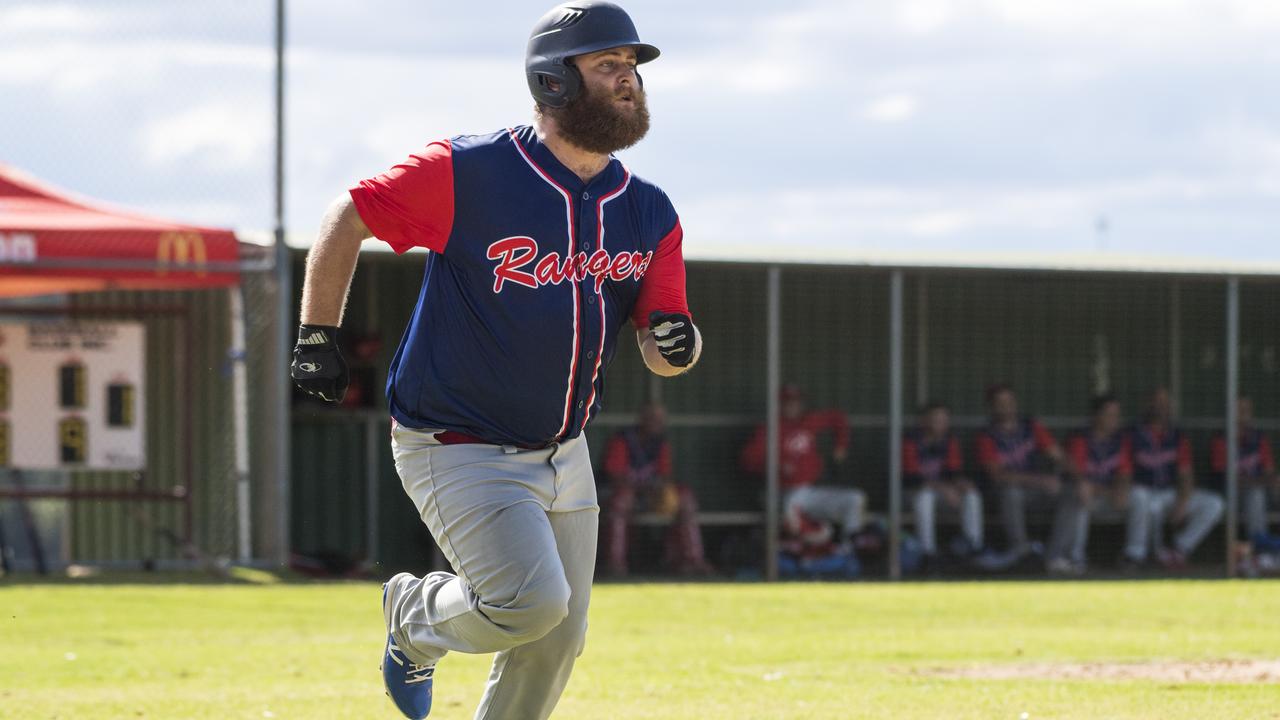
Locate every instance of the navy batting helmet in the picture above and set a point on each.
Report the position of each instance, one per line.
(576, 28)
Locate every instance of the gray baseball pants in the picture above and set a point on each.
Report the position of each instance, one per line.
(970, 509)
(519, 529)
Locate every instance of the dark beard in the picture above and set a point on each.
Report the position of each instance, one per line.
(593, 123)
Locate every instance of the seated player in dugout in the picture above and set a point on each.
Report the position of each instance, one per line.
(637, 465)
(933, 468)
(1256, 468)
(1101, 466)
(1014, 450)
(800, 463)
(1162, 466)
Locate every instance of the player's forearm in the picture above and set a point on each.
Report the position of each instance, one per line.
(330, 264)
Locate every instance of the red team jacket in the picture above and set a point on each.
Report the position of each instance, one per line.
(799, 462)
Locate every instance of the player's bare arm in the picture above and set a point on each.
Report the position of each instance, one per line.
(331, 263)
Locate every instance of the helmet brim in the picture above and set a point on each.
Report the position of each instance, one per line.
(644, 52)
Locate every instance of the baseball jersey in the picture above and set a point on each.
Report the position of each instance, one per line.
(631, 454)
(1101, 460)
(930, 460)
(1015, 449)
(1158, 455)
(1254, 458)
(799, 461)
(531, 275)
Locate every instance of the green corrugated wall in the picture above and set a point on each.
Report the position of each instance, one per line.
(1042, 332)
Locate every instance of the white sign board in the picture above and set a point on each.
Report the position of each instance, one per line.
(72, 395)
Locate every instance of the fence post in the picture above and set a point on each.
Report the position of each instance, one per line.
(1233, 428)
(895, 424)
(773, 381)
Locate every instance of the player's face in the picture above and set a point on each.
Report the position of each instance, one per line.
(653, 420)
(937, 421)
(610, 113)
(1161, 407)
(1109, 418)
(792, 408)
(1244, 411)
(1004, 405)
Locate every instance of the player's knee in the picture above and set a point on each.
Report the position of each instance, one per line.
(542, 608)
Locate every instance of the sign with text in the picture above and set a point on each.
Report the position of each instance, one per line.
(72, 395)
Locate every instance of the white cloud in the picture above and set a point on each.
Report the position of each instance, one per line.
(217, 137)
(891, 108)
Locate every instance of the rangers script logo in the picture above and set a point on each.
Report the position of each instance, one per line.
(514, 253)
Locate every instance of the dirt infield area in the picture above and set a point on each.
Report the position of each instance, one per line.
(1207, 671)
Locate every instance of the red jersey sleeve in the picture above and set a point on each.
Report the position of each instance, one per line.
(1184, 455)
(910, 457)
(411, 205)
(832, 420)
(955, 457)
(1044, 439)
(988, 458)
(664, 460)
(662, 287)
(616, 462)
(1218, 454)
(1078, 451)
(1126, 456)
(753, 453)
(1268, 460)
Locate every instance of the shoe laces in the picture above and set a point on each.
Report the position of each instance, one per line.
(415, 673)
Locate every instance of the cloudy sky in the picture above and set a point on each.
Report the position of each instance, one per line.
(818, 127)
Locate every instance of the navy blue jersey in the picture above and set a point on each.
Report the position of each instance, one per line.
(1101, 460)
(1159, 455)
(926, 460)
(532, 274)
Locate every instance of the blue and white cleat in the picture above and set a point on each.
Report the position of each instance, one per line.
(408, 684)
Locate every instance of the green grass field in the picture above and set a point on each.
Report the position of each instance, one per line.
(714, 651)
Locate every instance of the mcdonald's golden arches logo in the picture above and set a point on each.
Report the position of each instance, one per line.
(183, 251)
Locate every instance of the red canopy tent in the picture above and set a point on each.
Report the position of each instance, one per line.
(51, 242)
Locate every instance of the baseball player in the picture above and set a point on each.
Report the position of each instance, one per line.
(1101, 465)
(1162, 465)
(933, 464)
(1007, 450)
(1256, 466)
(800, 464)
(637, 463)
(542, 245)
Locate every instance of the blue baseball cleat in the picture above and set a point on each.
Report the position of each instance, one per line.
(408, 684)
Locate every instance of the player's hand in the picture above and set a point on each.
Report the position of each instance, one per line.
(1179, 512)
(840, 454)
(673, 333)
(318, 367)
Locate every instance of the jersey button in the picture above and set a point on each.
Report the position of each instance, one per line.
(591, 299)
(586, 246)
(586, 196)
(591, 354)
(579, 404)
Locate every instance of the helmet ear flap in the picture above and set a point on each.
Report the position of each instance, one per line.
(542, 73)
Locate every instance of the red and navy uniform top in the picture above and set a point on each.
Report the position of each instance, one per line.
(1101, 460)
(1254, 459)
(531, 275)
(1012, 450)
(1159, 454)
(926, 459)
(638, 458)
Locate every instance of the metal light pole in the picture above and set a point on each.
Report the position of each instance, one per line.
(284, 311)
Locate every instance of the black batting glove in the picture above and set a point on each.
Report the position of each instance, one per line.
(318, 367)
(674, 335)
